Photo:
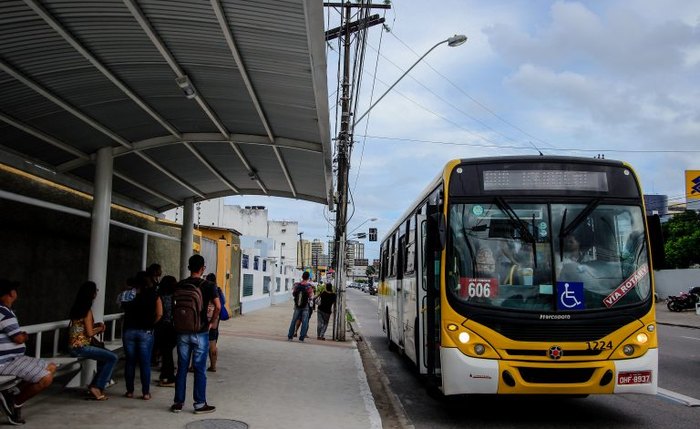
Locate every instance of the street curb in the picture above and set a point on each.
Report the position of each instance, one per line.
(403, 420)
(678, 325)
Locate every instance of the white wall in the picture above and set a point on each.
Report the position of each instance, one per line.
(285, 232)
(672, 282)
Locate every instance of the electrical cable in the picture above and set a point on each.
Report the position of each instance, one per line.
(477, 102)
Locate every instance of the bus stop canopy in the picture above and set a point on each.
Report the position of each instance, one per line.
(197, 98)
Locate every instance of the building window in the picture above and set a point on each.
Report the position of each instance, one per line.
(283, 230)
(256, 263)
(277, 289)
(266, 284)
(286, 284)
(264, 264)
(247, 285)
(245, 262)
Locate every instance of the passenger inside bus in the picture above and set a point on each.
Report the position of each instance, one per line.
(485, 263)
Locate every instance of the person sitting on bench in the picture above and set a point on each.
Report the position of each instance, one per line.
(36, 374)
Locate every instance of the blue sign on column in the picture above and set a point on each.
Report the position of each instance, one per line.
(570, 296)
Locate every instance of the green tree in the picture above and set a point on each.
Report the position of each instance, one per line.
(682, 240)
(370, 271)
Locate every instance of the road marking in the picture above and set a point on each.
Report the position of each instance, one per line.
(691, 338)
(679, 398)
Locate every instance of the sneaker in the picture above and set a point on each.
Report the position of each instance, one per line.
(111, 383)
(205, 409)
(7, 400)
(176, 408)
(166, 383)
(15, 417)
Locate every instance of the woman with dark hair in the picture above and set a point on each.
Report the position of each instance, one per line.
(82, 329)
(140, 317)
(166, 337)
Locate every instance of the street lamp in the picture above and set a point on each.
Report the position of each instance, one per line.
(456, 40)
(339, 325)
(372, 219)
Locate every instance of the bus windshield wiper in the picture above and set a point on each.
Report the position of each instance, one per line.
(520, 225)
(567, 229)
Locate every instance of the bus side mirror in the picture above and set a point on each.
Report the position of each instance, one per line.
(656, 241)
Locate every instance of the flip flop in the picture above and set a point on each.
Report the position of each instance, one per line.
(102, 397)
(146, 397)
(128, 395)
(96, 394)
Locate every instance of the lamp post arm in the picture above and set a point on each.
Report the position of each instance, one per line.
(398, 80)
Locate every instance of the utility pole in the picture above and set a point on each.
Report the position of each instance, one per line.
(300, 261)
(344, 150)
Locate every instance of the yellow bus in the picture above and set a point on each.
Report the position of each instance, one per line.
(525, 275)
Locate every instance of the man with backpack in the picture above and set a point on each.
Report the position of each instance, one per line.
(191, 299)
(302, 293)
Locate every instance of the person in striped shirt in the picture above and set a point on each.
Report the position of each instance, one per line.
(36, 374)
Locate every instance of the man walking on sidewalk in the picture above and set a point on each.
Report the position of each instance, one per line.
(190, 301)
(303, 293)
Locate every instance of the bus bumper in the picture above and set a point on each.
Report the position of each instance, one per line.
(463, 374)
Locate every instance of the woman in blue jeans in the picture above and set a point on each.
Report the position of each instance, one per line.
(82, 329)
(140, 317)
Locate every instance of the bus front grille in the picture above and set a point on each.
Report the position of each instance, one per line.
(543, 352)
(553, 332)
(556, 375)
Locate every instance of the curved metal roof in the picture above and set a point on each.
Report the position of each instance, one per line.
(79, 76)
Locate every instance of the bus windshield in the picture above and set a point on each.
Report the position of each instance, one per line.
(547, 257)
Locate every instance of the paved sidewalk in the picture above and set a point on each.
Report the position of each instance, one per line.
(262, 380)
(686, 318)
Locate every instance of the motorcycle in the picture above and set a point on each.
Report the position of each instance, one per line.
(684, 301)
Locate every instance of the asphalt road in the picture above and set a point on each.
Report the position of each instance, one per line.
(679, 372)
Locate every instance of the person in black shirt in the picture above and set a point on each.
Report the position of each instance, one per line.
(327, 303)
(140, 317)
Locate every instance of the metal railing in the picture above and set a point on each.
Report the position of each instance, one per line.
(56, 327)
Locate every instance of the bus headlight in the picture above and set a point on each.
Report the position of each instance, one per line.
(463, 337)
(479, 349)
(628, 350)
(651, 328)
(642, 338)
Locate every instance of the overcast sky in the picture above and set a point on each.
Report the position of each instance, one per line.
(620, 78)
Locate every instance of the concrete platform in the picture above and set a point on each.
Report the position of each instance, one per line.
(262, 380)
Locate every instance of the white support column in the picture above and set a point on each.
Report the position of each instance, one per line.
(187, 240)
(99, 240)
(99, 235)
(144, 252)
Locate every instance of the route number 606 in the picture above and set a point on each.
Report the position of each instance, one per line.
(479, 289)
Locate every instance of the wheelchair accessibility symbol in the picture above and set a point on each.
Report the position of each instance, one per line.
(570, 296)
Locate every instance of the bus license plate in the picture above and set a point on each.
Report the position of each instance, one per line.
(634, 377)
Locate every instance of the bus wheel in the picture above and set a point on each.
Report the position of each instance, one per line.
(391, 344)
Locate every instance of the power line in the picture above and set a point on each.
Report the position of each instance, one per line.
(441, 98)
(525, 147)
(477, 102)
